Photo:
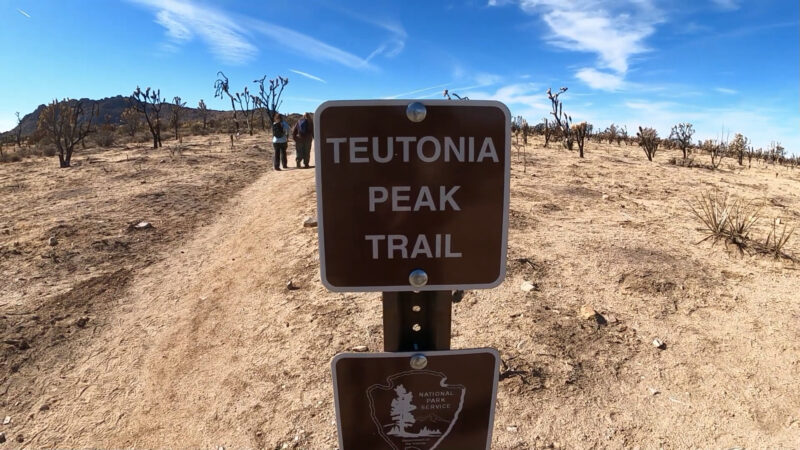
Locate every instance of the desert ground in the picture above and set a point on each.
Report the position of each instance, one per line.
(183, 334)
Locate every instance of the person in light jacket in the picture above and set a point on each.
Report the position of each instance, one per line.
(280, 135)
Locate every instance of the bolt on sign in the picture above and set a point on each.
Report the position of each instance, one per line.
(408, 187)
(419, 401)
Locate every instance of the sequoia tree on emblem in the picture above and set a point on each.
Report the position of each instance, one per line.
(415, 409)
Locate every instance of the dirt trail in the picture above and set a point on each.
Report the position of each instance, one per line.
(197, 355)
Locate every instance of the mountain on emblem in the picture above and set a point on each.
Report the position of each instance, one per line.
(415, 409)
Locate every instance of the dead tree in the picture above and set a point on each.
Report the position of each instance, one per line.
(19, 130)
(247, 107)
(717, 150)
(258, 105)
(750, 153)
(548, 132)
(611, 134)
(203, 109)
(579, 131)
(682, 134)
(648, 140)
(149, 104)
(563, 120)
(131, 120)
(270, 96)
(67, 124)
(175, 115)
(222, 87)
(449, 95)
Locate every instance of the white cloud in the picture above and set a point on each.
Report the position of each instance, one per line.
(759, 124)
(183, 20)
(230, 38)
(307, 45)
(727, 4)
(527, 96)
(726, 91)
(614, 30)
(600, 80)
(308, 75)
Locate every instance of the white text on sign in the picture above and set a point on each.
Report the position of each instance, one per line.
(401, 198)
(397, 246)
(426, 149)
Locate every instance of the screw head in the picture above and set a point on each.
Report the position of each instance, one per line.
(418, 362)
(416, 112)
(418, 278)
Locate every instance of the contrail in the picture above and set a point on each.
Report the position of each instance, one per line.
(24, 13)
(308, 75)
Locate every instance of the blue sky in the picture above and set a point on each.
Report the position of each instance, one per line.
(727, 65)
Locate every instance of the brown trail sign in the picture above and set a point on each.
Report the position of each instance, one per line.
(397, 195)
(413, 196)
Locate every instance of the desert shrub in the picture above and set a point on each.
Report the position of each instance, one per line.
(648, 140)
(10, 157)
(47, 150)
(688, 162)
(712, 209)
(732, 220)
(104, 138)
(776, 241)
(198, 129)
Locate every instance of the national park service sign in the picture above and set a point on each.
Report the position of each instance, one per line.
(406, 186)
(383, 402)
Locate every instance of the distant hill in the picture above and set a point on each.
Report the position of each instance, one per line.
(110, 111)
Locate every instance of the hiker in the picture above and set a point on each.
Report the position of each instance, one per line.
(280, 132)
(303, 134)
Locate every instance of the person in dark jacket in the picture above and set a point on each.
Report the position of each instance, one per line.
(280, 132)
(303, 134)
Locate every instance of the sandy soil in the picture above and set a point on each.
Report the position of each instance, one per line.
(192, 340)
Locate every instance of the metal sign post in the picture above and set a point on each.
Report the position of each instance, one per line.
(412, 201)
(416, 321)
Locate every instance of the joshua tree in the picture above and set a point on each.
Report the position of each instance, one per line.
(648, 140)
(222, 87)
(548, 132)
(579, 131)
(682, 134)
(563, 120)
(738, 146)
(717, 150)
(270, 97)
(776, 152)
(611, 134)
(201, 106)
(19, 129)
(67, 124)
(259, 106)
(149, 103)
(750, 154)
(175, 114)
(131, 120)
(247, 103)
(622, 135)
